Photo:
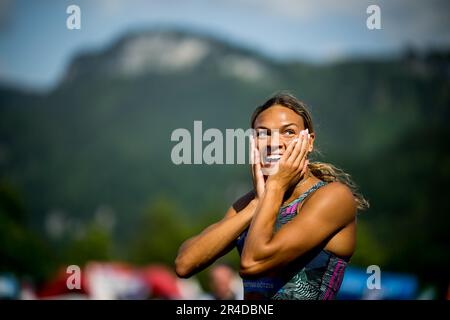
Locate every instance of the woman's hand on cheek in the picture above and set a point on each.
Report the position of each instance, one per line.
(257, 175)
(292, 165)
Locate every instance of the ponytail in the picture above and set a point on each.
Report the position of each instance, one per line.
(329, 173)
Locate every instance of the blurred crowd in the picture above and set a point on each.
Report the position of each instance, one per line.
(117, 281)
(120, 281)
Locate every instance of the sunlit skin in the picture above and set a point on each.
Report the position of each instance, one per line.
(275, 129)
(327, 216)
(325, 220)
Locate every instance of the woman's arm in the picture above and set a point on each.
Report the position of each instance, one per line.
(329, 209)
(200, 251)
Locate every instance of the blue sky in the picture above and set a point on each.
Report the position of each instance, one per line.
(36, 46)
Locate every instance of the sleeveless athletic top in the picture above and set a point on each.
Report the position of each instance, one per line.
(314, 276)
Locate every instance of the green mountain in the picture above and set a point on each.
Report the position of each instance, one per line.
(97, 147)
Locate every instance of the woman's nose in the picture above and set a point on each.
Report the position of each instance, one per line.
(275, 140)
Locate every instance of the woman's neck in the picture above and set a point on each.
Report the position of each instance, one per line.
(302, 186)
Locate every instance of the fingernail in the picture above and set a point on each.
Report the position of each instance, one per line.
(307, 130)
(309, 136)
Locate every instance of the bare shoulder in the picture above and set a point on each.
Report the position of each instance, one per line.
(334, 200)
(336, 191)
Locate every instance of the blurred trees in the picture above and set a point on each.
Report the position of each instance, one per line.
(158, 234)
(105, 139)
(22, 251)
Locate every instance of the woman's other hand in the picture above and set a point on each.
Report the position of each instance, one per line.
(258, 177)
(293, 163)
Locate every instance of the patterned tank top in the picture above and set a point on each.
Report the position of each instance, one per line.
(315, 276)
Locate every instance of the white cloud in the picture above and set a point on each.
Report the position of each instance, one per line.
(109, 7)
(403, 21)
(305, 10)
(416, 23)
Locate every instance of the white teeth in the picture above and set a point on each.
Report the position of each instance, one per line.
(273, 158)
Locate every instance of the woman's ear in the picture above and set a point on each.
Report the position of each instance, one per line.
(312, 136)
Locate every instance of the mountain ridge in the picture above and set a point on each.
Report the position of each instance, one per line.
(101, 138)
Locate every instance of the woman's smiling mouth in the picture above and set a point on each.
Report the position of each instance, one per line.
(271, 159)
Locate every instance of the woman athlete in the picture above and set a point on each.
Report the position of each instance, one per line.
(295, 231)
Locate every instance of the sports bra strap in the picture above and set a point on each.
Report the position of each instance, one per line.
(306, 193)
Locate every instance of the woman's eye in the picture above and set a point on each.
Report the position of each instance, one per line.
(262, 134)
(289, 132)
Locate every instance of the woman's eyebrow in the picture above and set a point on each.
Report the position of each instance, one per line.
(282, 127)
(288, 125)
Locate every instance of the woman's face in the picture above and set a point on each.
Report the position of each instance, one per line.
(275, 128)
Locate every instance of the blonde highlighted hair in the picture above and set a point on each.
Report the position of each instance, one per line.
(324, 171)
